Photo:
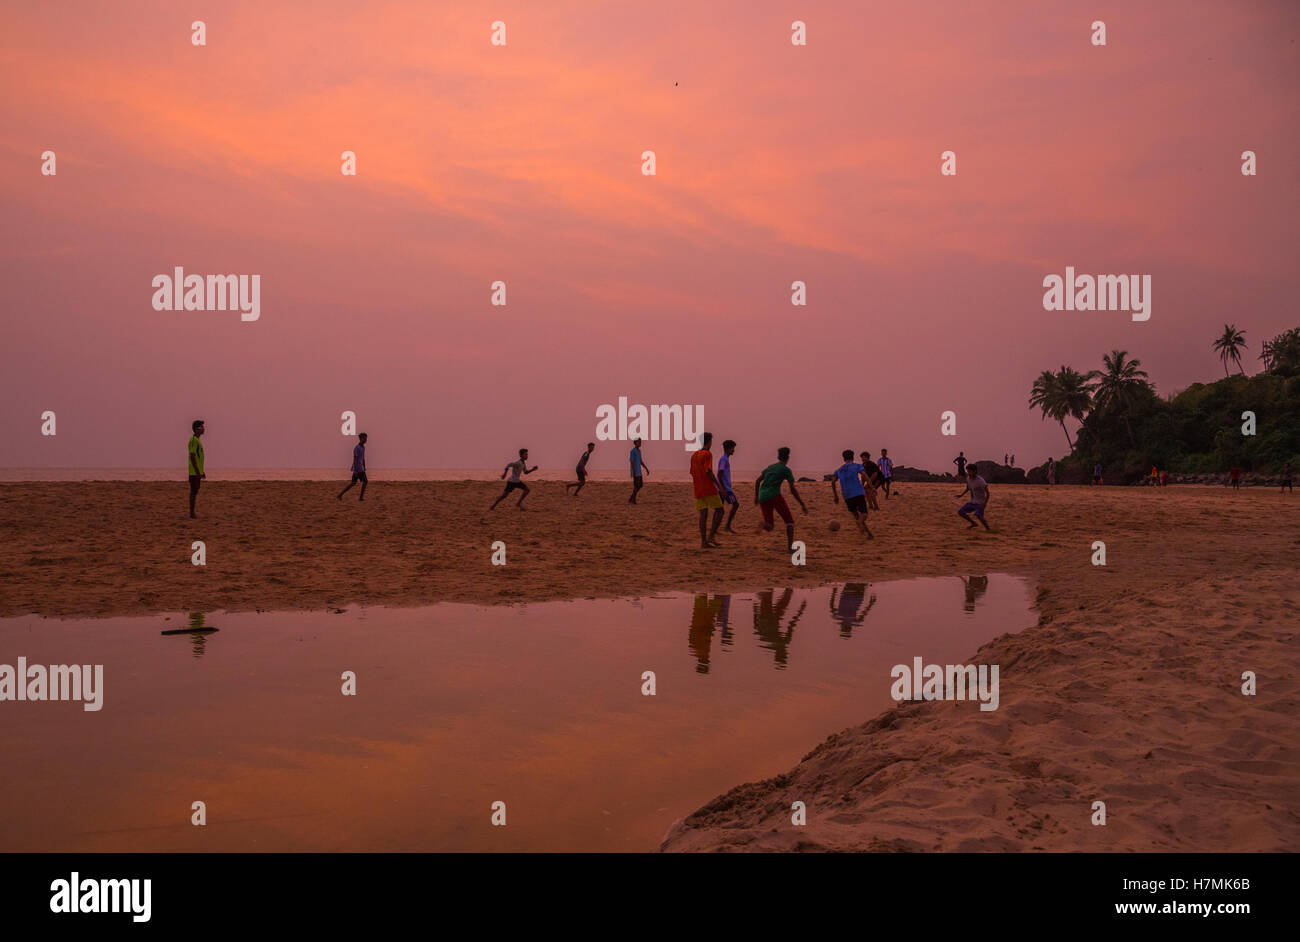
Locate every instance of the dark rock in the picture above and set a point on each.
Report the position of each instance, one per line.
(995, 473)
(917, 475)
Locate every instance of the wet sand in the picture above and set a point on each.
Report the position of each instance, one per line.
(1127, 691)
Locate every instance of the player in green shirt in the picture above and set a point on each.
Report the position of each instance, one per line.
(196, 462)
(767, 494)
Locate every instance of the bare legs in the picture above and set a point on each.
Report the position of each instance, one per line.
(707, 535)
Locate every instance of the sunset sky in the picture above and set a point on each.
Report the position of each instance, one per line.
(522, 163)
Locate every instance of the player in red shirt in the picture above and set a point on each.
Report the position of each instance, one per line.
(707, 492)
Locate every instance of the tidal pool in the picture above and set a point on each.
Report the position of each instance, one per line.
(539, 706)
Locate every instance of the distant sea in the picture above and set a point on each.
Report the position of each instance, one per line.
(14, 475)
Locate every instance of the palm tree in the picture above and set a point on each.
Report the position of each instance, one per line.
(1230, 345)
(1119, 383)
(1066, 392)
(1281, 355)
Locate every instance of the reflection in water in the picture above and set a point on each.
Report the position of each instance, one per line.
(976, 586)
(768, 616)
(707, 615)
(538, 705)
(845, 603)
(849, 605)
(198, 632)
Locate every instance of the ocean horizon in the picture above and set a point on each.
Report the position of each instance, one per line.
(21, 475)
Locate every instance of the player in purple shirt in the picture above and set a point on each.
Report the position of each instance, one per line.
(724, 479)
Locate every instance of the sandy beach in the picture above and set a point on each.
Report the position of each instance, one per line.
(1127, 690)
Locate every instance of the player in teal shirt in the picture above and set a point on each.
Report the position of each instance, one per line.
(767, 494)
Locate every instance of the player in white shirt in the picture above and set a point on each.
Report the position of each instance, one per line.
(516, 468)
(886, 469)
(978, 489)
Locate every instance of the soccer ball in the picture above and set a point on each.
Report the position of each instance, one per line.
(835, 525)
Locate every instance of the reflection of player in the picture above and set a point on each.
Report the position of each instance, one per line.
(198, 632)
(767, 623)
(724, 622)
(975, 586)
(845, 609)
(708, 614)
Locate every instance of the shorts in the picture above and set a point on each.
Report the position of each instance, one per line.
(360, 476)
(857, 504)
(970, 507)
(778, 504)
(730, 498)
(582, 475)
(713, 501)
(511, 485)
(195, 481)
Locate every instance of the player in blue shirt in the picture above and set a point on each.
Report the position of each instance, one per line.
(848, 478)
(638, 466)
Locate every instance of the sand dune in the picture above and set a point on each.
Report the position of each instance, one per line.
(1127, 691)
